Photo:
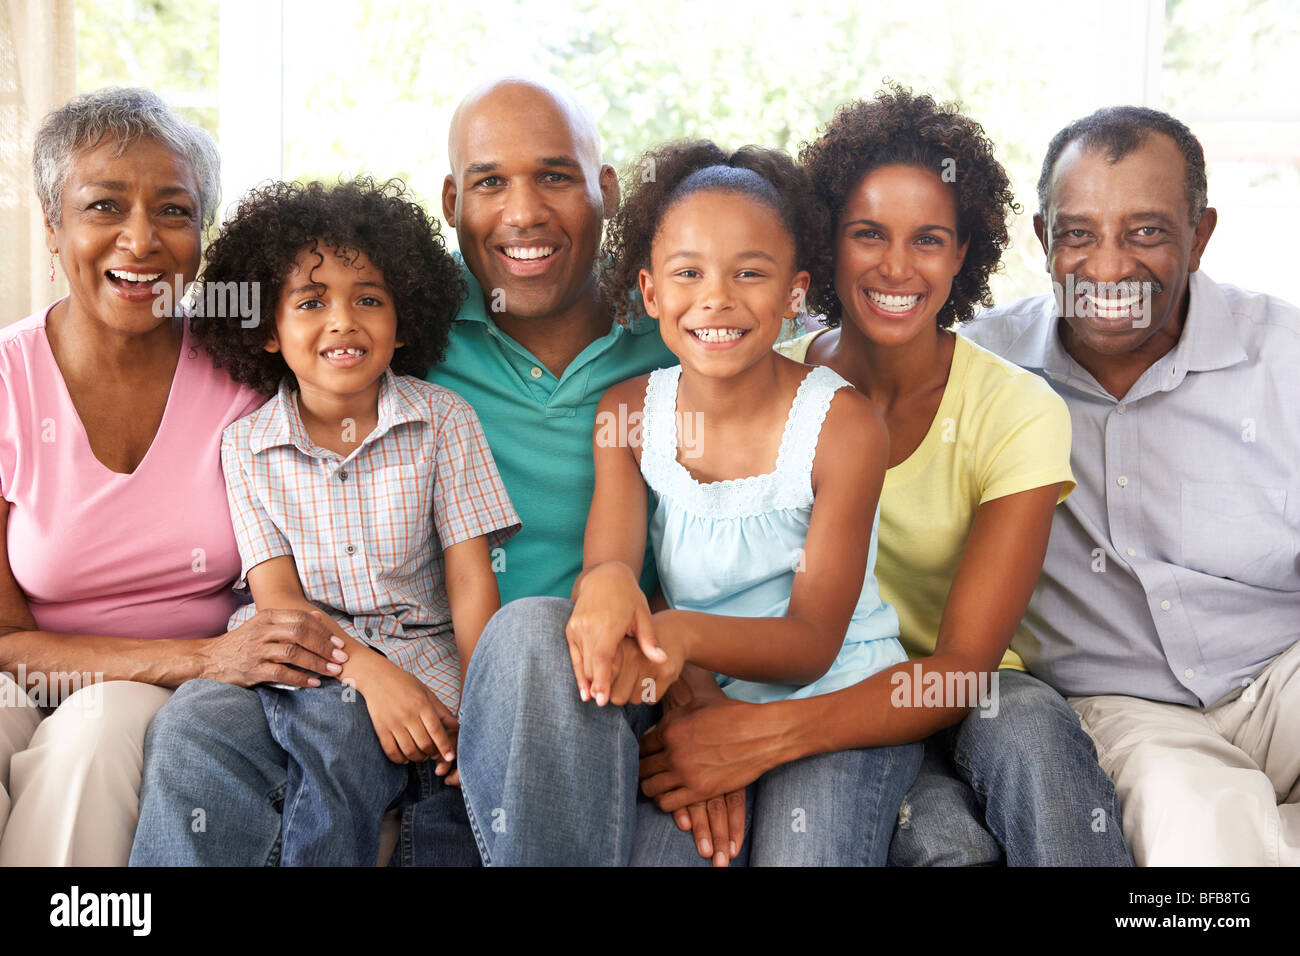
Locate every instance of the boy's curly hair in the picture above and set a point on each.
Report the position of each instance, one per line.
(899, 127)
(658, 179)
(272, 225)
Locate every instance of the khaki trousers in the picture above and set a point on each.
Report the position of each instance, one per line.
(70, 778)
(1218, 786)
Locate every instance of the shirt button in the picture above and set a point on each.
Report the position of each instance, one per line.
(1165, 605)
(1189, 673)
(536, 372)
(1122, 481)
(349, 549)
(1132, 553)
(343, 476)
(370, 632)
(1121, 409)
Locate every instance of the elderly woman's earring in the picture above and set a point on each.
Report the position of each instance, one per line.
(52, 255)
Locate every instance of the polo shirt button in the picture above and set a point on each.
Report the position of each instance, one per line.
(370, 632)
(1121, 409)
(349, 549)
(1132, 553)
(1122, 481)
(536, 372)
(1189, 673)
(343, 476)
(1165, 605)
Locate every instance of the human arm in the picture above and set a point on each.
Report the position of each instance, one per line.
(801, 645)
(608, 602)
(279, 645)
(409, 720)
(703, 750)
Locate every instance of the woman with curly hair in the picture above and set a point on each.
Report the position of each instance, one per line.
(979, 457)
(359, 494)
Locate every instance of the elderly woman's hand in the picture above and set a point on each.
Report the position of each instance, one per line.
(282, 646)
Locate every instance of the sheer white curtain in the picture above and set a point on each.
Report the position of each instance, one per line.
(38, 72)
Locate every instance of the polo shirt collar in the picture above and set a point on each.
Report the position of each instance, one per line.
(279, 421)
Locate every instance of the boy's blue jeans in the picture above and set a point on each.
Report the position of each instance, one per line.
(550, 780)
(236, 776)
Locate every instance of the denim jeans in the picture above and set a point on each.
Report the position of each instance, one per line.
(1023, 787)
(238, 777)
(550, 780)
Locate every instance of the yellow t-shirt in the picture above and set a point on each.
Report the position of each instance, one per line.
(999, 430)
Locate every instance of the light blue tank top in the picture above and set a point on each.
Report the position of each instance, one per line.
(733, 547)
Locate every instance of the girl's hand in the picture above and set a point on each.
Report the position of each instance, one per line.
(281, 646)
(608, 606)
(412, 724)
(639, 680)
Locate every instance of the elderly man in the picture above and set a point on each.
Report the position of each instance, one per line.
(1168, 610)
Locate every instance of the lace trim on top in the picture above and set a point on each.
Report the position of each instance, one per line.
(788, 486)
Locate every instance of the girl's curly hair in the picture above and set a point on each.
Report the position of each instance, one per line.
(899, 127)
(664, 174)
(277, 222)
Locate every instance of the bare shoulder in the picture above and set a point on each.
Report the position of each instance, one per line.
(854, 434)
(629, 394)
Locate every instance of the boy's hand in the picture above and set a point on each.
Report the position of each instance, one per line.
(609, 607)
(412, 724)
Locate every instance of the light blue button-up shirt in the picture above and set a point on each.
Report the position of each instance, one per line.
(1173, 571)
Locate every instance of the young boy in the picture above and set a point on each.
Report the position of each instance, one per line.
(357, 491)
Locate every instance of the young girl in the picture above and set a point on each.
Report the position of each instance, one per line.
(759, 477)
(357, 491)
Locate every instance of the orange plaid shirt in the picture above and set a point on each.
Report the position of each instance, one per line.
(367, 531)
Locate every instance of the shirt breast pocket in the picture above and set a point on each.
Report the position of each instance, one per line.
(399, 523)
(1239, 532)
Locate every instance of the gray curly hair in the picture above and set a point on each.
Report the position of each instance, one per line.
(124, 115)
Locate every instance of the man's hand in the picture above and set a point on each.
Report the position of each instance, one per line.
(608, 607)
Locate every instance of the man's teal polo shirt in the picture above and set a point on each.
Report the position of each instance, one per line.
(539, 428)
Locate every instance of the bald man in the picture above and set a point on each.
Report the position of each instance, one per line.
(534, 345)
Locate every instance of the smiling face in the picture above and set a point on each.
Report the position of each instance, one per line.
(722, 277)
(1126, 224)
(335, 324)
(896, 253)
(126, 223)
(527, 196)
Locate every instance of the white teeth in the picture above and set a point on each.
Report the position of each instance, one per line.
(531, 252)
(894, 303)
(135, 276)
(717, 335)
(339, 353)
(1112, 308)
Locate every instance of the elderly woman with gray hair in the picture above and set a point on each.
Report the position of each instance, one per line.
(117, 554)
